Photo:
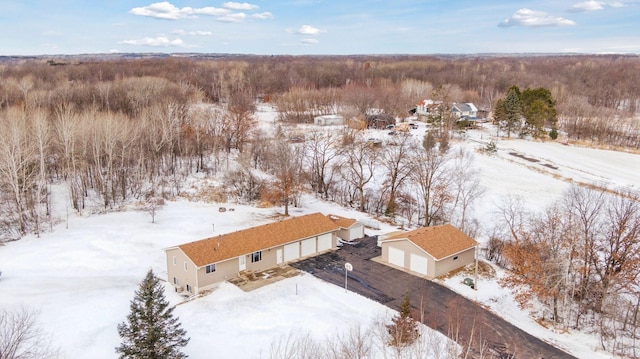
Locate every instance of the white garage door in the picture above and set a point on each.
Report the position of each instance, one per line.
(396, 257)
(308, 247)
(291, 251)
(324, 242)
(418, 264)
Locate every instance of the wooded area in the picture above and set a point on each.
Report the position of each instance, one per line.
(123, 131)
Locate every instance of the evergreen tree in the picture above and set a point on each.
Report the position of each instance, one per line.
(403, 329)
(512, 110)
(538, 109)
(151, 330)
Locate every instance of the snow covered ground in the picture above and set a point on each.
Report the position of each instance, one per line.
(81, 276)
(81, 281)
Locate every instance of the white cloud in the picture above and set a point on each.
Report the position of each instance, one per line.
(309, 41)
(240, 6)
(166, 10)
(262, 16)
(533, 18)
(160, 41)
(617, 4)
(309, 30)
(593, 5)
(590, 5)
(237, 17)
(192, 33)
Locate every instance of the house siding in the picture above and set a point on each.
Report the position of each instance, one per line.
(200, 280)
(434, 268)
(224, 270)
(448, 264)
(178, 272)
(354, 232)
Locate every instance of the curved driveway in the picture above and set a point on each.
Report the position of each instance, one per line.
(443, 309)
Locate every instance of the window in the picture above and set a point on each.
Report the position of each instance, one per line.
(189, 289)
(175, 281)
(185, 265)
(455, 258)
(211, 268)
(256, 256)
(174, 260)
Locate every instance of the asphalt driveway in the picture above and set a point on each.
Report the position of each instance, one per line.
(444, 310)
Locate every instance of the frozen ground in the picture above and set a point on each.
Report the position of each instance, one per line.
(81, 278)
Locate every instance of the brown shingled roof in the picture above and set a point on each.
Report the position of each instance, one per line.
(341, 221)
(216, 249)
(439, 241)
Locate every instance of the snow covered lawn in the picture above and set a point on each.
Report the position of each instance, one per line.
(81, 278)
(81, 281)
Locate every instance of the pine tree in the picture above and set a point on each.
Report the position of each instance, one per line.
(403, 329)
(151, 330)
(512, 110)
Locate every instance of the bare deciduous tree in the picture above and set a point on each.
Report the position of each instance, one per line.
(431, 176)
(359, 168)
(22, 338)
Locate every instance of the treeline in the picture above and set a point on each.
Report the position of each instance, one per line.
(607, 81)
(579, 258)
(117, 131)
(597, 95)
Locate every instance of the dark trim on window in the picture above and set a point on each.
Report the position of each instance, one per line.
(256, 256)
(210, 268)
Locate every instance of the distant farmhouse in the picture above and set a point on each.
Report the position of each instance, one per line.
(200, 265)
(464, 111)
(426, 108)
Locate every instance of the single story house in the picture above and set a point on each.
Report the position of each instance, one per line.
(429, 251)
(200, 265)
(328, 120)
(350, 229)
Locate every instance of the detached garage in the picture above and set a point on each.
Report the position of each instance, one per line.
(429, 251)
(350, 229)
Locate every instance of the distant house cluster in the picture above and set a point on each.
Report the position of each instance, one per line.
(200, 265)
(426, 108)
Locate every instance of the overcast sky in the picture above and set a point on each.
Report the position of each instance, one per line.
(34, 27)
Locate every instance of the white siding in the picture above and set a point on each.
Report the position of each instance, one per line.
(308, 247)
(291, 251)
(396, 257)
(324, 242)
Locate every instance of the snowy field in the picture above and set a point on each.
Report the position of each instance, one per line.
(81, 280)
(81, 275)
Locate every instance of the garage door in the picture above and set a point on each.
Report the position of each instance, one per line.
(291, 251)
(324, 242)
(308, 247)
(396, 257)
(418, 264)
